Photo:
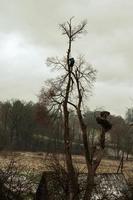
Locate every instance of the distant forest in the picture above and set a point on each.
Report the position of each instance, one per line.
(28, 126)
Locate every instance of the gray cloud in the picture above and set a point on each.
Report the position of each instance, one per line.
(29, 33)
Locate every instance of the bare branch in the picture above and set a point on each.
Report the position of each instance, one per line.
(65, 30)
(57, 63)
(80, 29)
(73, 31)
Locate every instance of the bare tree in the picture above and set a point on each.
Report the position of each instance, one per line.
(84, 75)
(60, 93)
(70, 90)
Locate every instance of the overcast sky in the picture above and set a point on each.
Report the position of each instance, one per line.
(29, 34)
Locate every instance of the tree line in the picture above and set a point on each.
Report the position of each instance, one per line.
(19, 127)
(29, 126)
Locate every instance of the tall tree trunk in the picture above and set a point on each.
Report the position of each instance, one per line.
(90, 169)
(89, 184)
(73, 179)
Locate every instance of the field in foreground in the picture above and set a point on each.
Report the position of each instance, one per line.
(38, 162)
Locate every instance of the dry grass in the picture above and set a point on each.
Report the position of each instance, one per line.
(111, 166)
(37, 162)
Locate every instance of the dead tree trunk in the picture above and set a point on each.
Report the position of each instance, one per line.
(90, 169)
(92, 165)
(73, 180)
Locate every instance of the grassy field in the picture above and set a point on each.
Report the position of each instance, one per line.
(38, 162)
